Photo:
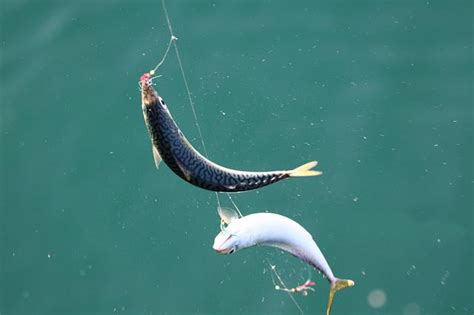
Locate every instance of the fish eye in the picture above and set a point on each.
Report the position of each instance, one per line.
(223, 226)
(233, 249)
(163, 103)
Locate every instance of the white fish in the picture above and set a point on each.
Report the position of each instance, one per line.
(274, 230)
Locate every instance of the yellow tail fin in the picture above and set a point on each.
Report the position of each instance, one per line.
(338, 285)
(305, 170)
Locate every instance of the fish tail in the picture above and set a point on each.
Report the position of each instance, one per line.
(337, 285)
(305, 170)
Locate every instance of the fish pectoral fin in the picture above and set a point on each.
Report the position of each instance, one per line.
(156, 156)
(227, 215)
(305, 170)
(185, 171)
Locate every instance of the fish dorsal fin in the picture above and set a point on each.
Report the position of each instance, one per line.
(156, 156)
(227, 215)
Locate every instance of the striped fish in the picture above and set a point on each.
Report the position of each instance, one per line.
(170, 145)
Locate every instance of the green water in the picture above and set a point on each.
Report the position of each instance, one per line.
(379, 92)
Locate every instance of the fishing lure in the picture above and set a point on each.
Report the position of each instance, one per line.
(170, 145)
(275, 230)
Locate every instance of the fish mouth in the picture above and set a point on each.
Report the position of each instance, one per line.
(144, 81)
(149, 95)
(224, 251)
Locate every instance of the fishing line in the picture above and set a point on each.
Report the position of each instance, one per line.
(191, 102)
(173, 38)
(198, 127)
(183, 75)
(280, 280)
(235, 205)
(178, 57)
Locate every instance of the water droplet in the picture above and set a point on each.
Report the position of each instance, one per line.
(377, 298)
(411, 270)
(445, 277)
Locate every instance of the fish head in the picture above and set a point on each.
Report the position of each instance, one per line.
(226, 242)
(149, 94)
(235, 232)
(144, 79)
(147, 78)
